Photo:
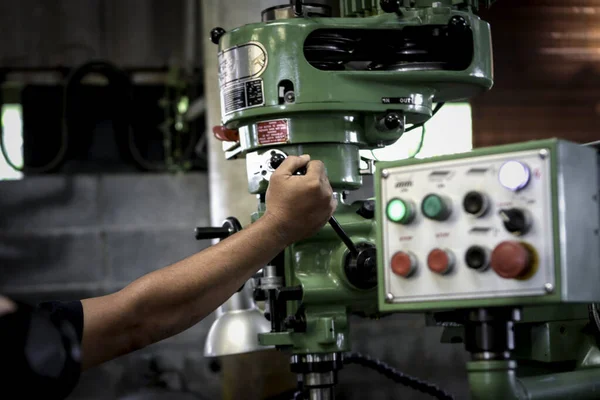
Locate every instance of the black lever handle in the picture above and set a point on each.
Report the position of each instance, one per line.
(230, 226)
(301, 171)
(344, 236)
(211, 233)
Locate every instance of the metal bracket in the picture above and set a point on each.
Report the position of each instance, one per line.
(370, 169)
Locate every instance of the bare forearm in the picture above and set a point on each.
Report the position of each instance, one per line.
(168, 301)
(186, 292)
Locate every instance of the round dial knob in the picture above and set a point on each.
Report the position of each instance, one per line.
(511, 260)
(361, 270)
(216, 34)
(393, 121)
(440, 261)
(400, 211)
(514, 175)
(515, 220)
(477, 258)
(404, 264)
(436, 207)
(475, 203)
(276, 160)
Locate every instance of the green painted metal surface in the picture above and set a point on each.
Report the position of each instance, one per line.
(498, 380)
(344, 107)
(494, 380)
(579, 385)
(552, 146)
(562, 312)
(317, 264)
(344, 92)
(550, 342)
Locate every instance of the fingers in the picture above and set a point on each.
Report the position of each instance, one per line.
(333, 206)
(316, 169)
(292, 164)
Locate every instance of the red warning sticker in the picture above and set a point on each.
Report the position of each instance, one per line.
(273, 132)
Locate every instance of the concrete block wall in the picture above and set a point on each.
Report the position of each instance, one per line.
(71, 237)
(96, 232)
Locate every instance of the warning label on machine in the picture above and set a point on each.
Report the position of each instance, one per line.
(242, 95)
(273, 132)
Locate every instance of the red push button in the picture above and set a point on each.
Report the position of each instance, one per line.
(404, 264)
(440, 261)
(511, 260)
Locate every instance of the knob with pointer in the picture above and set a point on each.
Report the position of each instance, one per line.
(517, 221)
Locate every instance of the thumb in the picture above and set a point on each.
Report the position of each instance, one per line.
(292, 164)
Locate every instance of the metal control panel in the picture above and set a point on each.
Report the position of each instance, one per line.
(489, 227)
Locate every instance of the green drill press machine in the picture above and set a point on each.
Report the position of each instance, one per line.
(498, 245)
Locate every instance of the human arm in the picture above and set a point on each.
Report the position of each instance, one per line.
(168, 301)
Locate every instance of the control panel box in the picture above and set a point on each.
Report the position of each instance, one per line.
(506, 225)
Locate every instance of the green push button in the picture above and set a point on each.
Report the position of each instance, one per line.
(400, 211)
(435, 207)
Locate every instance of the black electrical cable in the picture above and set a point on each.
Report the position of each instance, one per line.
(62, 151)
(437, 108)
(421, 141)
(121, 81)
(116, 78)
(135, 153)
(111, 73)
(397, 376)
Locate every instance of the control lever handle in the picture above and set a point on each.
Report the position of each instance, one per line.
(230, 226)
(344, 236)
(276, 161)
(205, 233)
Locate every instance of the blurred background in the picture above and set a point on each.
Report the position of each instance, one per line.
(108, 163)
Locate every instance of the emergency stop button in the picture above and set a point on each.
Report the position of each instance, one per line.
(512, 260)
(440, 261)
(404, 264)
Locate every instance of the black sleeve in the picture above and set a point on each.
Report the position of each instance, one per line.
(41, 351)
(71, 311)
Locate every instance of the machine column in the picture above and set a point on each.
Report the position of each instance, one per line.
(318, 374)
(489, 337)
